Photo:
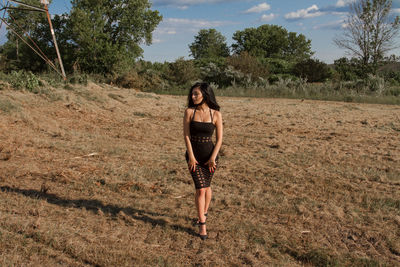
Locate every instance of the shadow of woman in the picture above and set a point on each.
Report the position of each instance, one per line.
(94, 205)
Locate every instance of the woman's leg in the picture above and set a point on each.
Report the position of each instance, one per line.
(208, 199)
(200, 204)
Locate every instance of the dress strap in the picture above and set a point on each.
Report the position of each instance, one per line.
(194, 112)
(211, 116)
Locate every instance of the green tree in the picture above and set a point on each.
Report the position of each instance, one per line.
(370, 32)
(98, 36)
(272, 41)
(17, 53)
(108, 34)
(209, 44)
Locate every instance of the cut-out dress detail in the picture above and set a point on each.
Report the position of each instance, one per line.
(201, 139)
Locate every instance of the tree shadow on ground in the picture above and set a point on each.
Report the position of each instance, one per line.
(95, 205)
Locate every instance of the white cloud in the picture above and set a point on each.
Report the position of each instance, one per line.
(174, 26)
(396, 10)
(258, 8)
(157, 41)
(334, 25)
(312, 11)
(180, 3)
(269, 17)
(183, 7)
(195, 23)
(343, 3)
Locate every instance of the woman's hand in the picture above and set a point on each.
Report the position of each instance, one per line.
(211, 165)
(192, 164)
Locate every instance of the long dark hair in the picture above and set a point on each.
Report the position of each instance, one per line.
(208, 96)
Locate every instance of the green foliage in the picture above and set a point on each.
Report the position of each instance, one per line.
(79, 78)
(375, 83)
(18, 55)
(108, 33)
(313, 70)
(209, 44)
(182, 72)
(274, 78)
(213, 73)
(348, 70)
(247, 64)
(145, 76)
(212, 70)
(272, 41)
(96, 37)
(129, 79)
(24, 80)
(391, 72)
(277, 65)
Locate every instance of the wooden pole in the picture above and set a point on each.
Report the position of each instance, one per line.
(55, 42)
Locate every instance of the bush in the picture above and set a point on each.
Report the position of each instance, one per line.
(313, 70)
(212, 72)
(375, 83)
(130, 79)
(24, 80)
(348, 70)
(247, 64)
(182, 72)
(80, 78)
(276, 65)
(390, 71)
(274, 78)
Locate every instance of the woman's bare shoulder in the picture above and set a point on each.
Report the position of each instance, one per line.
(189, 111)
(217, 113)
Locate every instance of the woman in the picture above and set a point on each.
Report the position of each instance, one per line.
(201, 118)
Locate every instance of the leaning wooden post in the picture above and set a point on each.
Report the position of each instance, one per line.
(45, 3)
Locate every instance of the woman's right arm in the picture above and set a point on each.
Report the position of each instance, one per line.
(186, 134)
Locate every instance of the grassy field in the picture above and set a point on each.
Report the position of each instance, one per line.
(96, 176)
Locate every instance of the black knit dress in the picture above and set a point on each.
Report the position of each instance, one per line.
(202, 145)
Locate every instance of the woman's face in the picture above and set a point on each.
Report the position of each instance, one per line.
(197, 96)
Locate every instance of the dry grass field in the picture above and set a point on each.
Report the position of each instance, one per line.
(96, 176)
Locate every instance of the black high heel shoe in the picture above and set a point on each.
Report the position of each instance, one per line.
(203, 237)
(197, 222)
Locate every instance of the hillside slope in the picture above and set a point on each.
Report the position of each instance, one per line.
(96, 176)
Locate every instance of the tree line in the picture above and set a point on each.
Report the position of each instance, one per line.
(105, 37)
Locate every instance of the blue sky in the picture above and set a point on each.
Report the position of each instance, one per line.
(318, 20)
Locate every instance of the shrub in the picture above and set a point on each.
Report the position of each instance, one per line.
(274, 78)
(348, 70)
(276, 65)
(247, 64)
(129, 79)
(24, 80)
(312, 69)
(375, 83)
(80, 78)
(182, 72)
(213, 73)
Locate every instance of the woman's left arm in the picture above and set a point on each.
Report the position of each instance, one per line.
(217, 147)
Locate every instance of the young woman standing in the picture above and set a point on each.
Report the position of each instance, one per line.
(201, 118)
